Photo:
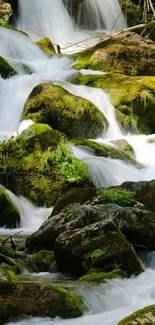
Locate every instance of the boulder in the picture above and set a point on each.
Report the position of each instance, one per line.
(144, 192)
(5, 11)
(98, 276)
(46, 45)
(41, 261)
(136, 224)
(132, 97)
(42, 160)
(127, 53)
(99, 245)
(140, 317)
(22, 300)
(72, 115)
(6, 70)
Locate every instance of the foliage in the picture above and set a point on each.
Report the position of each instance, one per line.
(71, 168)
(118, 196)
(3, 23)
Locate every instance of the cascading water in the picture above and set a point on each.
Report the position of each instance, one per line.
(99, 14)
(112, 301)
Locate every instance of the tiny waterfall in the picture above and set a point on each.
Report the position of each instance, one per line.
(99, 15)
(31, 217)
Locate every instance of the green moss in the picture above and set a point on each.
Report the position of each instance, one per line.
(6, 70)
(41, 261)
(104, 150)
(35, 160)
(127, 53)
(72, 115)
(24, 300)
(133, 98)
(100, 277)
(7, 273)
(140, 317)
(8, 251)
(10, 216)
(46, 45)
(118, 196)
(7, 260)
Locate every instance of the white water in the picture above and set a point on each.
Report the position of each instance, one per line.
(31, 217)
(99, 14)
(118, 298)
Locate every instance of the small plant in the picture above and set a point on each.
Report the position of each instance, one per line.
(3, 23)
(118, 196)
(72, 169)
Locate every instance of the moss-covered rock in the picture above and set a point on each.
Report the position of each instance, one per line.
(144, 192)
(127, 53)
(74, 116)
(74, 195)
(99, 245)
(9, 215)
(22, 300)
(103, 150)
(140, 317)
(7, 260)
(6, 70)
(41, 159)
(41, 261)
(5, 11)
(7, 273)
(46, 45)
(99, 276)
(133, 98)
(136, 224)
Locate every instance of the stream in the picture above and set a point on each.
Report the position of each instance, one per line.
(105, 303)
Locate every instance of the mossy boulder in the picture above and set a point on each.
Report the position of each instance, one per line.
(5, 11)
(99, 245)
(46, 45)
(41, 261)
(144, 192)
(98, 276)
(9, 215)
(41, 159)
(6, 70)
(140, 317)
(74, 195)
(72, 115)
(133, 98)
(7, 273)
(22, 300)
(136, 224)
(127, 53)
(104, 150)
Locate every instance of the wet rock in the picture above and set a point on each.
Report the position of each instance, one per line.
(6, 70)
(136, 224)
(140, 317)
(41, 261)
(9, 215)
(126, 53)
(72, 115)
(100, 245)
(144, 192)
(46, 45)
(19, 301)
(5, 10)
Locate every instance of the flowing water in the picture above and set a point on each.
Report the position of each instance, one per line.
(106, 304)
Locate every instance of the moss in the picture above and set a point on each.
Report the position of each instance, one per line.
(6, 70)
(74, 116)
(140, 317)
(10, 216)
(7, 273)
(8, 251)
(46, 45)
(7, 260)
(24, 300)
(41, 261)
(127, 53)
(33, 159)
(100, 277)
(133, 98)
(104, 150)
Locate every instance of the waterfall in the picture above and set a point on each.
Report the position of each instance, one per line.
(31, 217)
(99, 15)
